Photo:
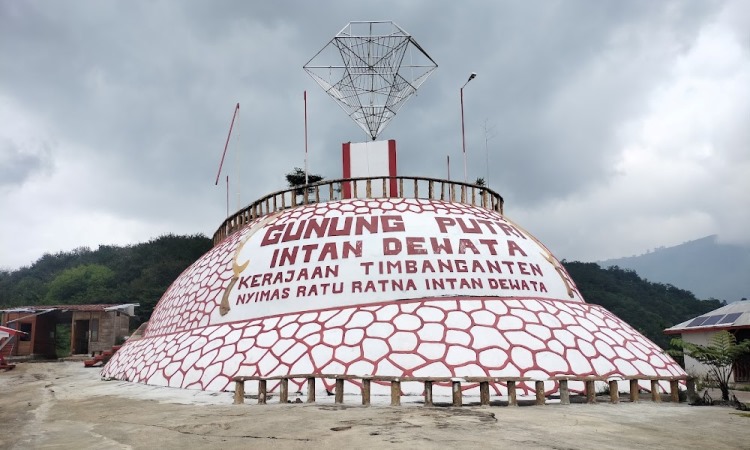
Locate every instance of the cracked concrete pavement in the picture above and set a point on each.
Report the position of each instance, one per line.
(62, 405)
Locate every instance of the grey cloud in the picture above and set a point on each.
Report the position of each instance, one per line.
(18, 163)
(531, 67)
(146, 89)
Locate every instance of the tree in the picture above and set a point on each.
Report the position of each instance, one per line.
(296, 178)
(480, 182)
(645, 305)
(87, 283)
(719, 356)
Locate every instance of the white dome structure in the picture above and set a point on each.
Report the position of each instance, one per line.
(420, 287)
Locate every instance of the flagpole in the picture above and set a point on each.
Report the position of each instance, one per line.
(231, 125)
(237, 160)
(450, 185)
(305, 98)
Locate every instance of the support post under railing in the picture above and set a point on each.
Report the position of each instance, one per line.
(590, 391)
(614, 394)
(366, 391)
(396, 392)
(634, 389)
(512, 399)
(239, 392)
(284, 390)
(262, 392)
(428, 393)
(539, 387)
(564, 393)
(655, 395)
(339, 394)
(456, 387)
(311, 390)
(484, 393)
(674, 391)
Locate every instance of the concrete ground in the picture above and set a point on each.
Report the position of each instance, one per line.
(62, 405)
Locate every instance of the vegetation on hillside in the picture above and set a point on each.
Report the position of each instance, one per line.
(142, 273)
(110, 275)
(646, 306)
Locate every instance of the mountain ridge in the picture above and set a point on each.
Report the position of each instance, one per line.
(704, 266)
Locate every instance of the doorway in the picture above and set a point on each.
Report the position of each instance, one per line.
(81, 337)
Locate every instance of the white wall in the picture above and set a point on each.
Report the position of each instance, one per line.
(693, 367)
(370, 159)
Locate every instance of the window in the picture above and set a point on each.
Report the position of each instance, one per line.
(26, 328)
(94, 330)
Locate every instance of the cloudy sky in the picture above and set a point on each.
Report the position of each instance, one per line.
(610, 127)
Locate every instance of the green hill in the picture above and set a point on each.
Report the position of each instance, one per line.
(141, 273)
(646, 306)
(134, 274)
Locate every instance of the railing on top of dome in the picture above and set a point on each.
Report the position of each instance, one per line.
(362, 188)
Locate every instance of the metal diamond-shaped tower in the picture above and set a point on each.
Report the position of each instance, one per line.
(371, 69)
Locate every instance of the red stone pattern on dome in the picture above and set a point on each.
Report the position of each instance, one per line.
(537, 338)
(192, 298)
